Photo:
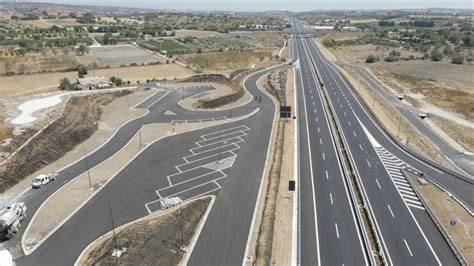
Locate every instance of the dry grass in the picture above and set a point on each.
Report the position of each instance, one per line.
(196, 33)
(77, 124)
(29, 84)
(35, 62)
(445, 97)
(228, 60)
(446, 209)
(444, 72)
(462, 134)
(116, 55)
(155, 240)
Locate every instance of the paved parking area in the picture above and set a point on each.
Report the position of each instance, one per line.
(203, 166)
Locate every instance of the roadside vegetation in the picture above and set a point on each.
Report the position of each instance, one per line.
(155, 240)
(77, 123)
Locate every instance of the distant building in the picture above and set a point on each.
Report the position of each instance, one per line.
(93, 83)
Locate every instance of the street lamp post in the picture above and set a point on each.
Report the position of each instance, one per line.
(87, 166)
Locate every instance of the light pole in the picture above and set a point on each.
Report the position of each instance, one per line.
(181, 225)
(113, 226)
(139, 130)
(399, 125)
(219, 145)
(87, 166)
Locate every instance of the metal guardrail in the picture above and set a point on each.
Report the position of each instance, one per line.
(342, 146)
(438, 224)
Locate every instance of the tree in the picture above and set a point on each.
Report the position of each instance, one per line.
(82, 71)
(371, 59)
(82, 49)
(436, 55)
(447, 50)
(467, 40)
(65, 84)
(457, 59)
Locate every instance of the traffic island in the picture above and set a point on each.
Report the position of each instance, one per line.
(162, 238)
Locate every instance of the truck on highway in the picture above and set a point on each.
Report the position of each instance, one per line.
(11, 217)
(42, 180)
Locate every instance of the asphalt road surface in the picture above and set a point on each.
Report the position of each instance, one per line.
(330, 233)
(162, 107)
(404, 241)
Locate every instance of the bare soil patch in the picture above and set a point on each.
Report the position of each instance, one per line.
(228, 60)
(195, 33)
(77, 123)
(155, 240)
(446, 209)
(123, 54)
(35, 83)
(37, 62)
(462, 134)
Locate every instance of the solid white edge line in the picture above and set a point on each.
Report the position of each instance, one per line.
(378, 231)
(312, 175)
(340, 165)
(106, 183)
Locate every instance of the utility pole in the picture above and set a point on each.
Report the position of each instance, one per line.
(373, 101)
(399, 125)
(219, 145)
(113, 226)
(87, 166)
(181, 225)
(139, 130)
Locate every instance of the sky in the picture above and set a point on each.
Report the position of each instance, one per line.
(263, 5)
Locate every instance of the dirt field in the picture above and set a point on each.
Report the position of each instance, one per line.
(450, 74)
(116, 55)
(77, 123)
(155, 240)
(228, 60)
(35, 83)
(195, 33)
(462, 134)
(446, 209)
(36, 62)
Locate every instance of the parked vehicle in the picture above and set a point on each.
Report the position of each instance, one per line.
(43, 179)
(11, 217)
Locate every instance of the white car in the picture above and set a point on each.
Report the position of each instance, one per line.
(42, 180)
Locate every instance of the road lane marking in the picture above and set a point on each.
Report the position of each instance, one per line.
(368, 163)
(378, 184)
(327, 175)
(355, 135)
(330, 196)
(320, 141)
(349, 122)
(391, 212)
(360, 146)
(324, 156)
(318, 129)
(408, 247)
(337, 230)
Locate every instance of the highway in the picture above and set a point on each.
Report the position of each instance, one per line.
(464, 161)
(330, 231)
(396, 212)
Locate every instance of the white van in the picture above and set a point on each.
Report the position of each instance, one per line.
(42, 180)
